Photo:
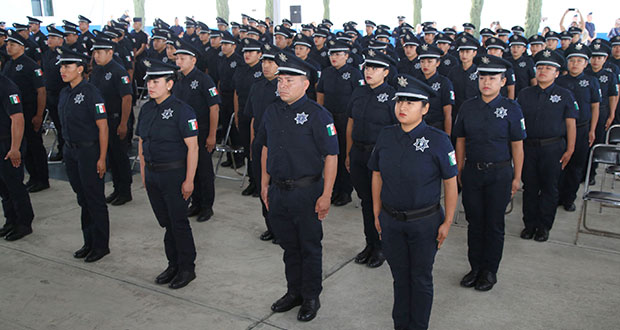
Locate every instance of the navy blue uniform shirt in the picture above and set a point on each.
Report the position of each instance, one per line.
(545, 110)
(163, 128)
(465, 84)
(10, 102)
(243, 79)
(262, 94)
(371, 110)
(28, 76)
(79, 108)
(523, 68)
(444, 95)
(298, 137)
(226, 67)
(412, 68)
(608, 82)
(447, 63)
(412, 165)
(198, 90)
(113, 83)
(586, 91)
(488, 128)
(338, 86)
(321, 57)
(53, 80)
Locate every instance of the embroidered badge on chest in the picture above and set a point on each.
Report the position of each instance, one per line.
(584, 83)
(167, 114)
(165, 60)
(257, 74)
(473, 76)
(436, 86)
(194, 84)
(108, 76)
(350, 60)
(447, 62)
(301, 118)
(501, 112)
(603, 79)
(522, 64)
(233, 64)
(421, 144)
(417, 66)
(555, 98)
(382, 97)
(323, 54)
(78, 98)
(277, 93)
(19, 67)
(346, 75)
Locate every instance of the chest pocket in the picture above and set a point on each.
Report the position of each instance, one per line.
(165, 129)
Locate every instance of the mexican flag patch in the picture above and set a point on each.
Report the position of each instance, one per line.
(362, 82)
(100, 108)
(14, 99)
(523, 124)
(452, 158)
(213, 91)
(452, 95)
(576, 106)
(38, 72)
(125, 80)
(331, 130)
(193, 124)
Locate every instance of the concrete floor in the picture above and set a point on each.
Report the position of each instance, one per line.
(552, 285)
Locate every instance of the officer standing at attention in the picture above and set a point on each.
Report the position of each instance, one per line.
(303, 46)
(168, 151)
(15, 200)
(28, 76)
(320, 51)
(197, 89)
(439, 114)
(263, 93)
(489, 141)
(114, 84)
(409, 163)
(496, 47)
(464, 77)
(299, 165)
(158, 51)
(549, 111)
(444, 42)
(523, 66)
(83, 115)
(35, 33)
(410, 64)
(587, 92)
(31, 48)
(334, 92)
(86, 37)
(371, 108)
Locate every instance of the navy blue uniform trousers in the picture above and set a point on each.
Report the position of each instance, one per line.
(361, 177)
(204, 186)
(573, 173)
(118, 160)
(15, 199)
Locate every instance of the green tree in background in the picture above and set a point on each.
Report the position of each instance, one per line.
(417, 12)
(532, 17)
(269, 8)
(222, 8)
(474, 14)
(326, 9)
(138, 8)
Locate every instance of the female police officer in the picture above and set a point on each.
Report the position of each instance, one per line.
(168, 150)
(371, 109)
(84, 119)
(409, 162)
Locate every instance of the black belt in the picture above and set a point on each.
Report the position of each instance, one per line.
(158, 167)
(583, 124)
(364, 146)
(485, 166)
(410, 215)
(543, 142)
(299, 183)
(76, 145)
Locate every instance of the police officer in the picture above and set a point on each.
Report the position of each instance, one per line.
(496, 47)
(86, 37)
(53, 83)
(537, 44)
(28, 76)
(197, 89)
(158, 51)
(15, 200)
(168, 150)
(552, 39)
(410, 64)
(31, 48)
(464, 77)
(203, 45)
(35, 33)
(409, 163)
(114, 84)
(587, 92)
(370, 29)
(83, 115)
(334, 92)
(72, 40)
(214, 53)
(490, 130)
(523, 66)
(550, 112)
(262, 93)
(443, 42)
(320, 52)
(439, 114)
(303, 47)
(299, 145)
(371, 108)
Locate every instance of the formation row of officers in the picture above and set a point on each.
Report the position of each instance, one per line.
(317, 115)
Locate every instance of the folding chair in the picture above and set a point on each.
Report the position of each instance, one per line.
(612, 137)
(225, 148)
(602, 154)
(48, 126)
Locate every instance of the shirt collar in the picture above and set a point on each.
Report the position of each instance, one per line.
(416, 131)
(548, 89)
(166, 102)
(432, 77)
(79, 86)
(379, 88)
(494, 102)
(297, 103)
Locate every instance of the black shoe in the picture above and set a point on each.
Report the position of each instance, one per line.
(18, 233)
(56, 157)
(95, 255)
(276, 241)
(122, 199)
(363, 256)
(226, 163)
(182, 279)
(528, 233)
(82, 252)
(376, 258)
(308, 310)
(343, 200)
(287, 302)
(167, 275)
(486, 281)
(335, 197)
(266, 236)
(29, 183)
(38, 186)
(570, 207)
(6, 229)
(592, 181)
(193, 210)
(542, 235)
(249, 190)
(205, 215)
(469, 280)
(111, 197)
